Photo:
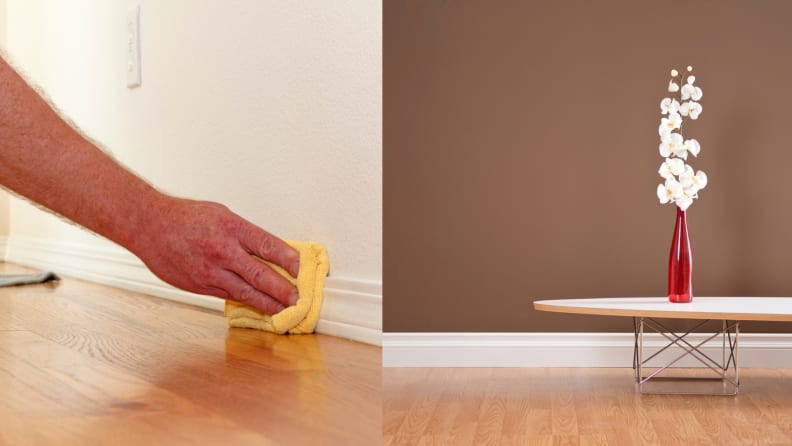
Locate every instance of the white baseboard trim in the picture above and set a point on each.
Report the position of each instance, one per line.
(559, 349)
(351, 309)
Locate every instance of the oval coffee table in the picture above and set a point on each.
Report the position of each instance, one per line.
(646, 311)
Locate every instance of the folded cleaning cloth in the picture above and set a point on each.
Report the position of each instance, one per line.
(300, 318)
(26, 279)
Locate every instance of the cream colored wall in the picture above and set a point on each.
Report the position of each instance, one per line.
(2, 21)
(4, 206)
(272, 108)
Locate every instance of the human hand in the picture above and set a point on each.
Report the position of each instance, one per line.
(203, 247)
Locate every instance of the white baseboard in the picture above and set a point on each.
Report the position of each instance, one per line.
(106, 264)
(559, 349)
(351, 309)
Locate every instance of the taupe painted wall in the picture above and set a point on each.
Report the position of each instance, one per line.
(520, 153)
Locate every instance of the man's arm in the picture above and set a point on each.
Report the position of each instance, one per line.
(197, 246)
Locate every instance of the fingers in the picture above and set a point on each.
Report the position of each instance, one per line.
(239, 290)
(265, 245)
(265, 279)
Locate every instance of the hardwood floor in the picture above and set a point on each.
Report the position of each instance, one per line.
(509, 406)
(84, 364)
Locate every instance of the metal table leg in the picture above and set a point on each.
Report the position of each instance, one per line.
(659, 379)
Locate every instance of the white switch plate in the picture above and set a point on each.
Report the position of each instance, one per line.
(133, 46)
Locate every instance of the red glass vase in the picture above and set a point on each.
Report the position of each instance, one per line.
(680, 263)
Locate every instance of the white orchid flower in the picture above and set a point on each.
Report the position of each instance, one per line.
(685, 178)
(692, 146)
(669, 106)
(682, 183)
(672, 122)
(670, 143)
(680, 152)
(692, 183)
(684, 202)
(670, 191)
(690, 91)
(671, 167)
(700, 179)
(691, 109)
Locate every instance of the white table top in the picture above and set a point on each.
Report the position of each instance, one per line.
(730, 308)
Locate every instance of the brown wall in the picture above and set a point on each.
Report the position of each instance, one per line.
(520, 154)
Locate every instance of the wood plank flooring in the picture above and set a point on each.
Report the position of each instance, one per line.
(85, 364)
(510, 406)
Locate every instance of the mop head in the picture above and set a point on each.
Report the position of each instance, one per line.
(300, 318)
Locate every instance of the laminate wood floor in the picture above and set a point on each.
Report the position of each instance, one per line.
(510, 406)
(85, 364)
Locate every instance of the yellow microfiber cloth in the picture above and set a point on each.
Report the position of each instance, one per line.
(300, 318)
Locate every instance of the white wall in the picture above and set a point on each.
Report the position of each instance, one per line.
(272, 108)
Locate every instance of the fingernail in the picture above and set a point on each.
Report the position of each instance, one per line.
(293, 298)
(294, 268)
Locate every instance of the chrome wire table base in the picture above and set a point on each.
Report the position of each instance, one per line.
(679, 365)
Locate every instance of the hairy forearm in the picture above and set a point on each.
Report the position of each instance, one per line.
(44, 159)
(198, 246)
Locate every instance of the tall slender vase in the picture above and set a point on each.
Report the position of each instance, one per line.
(680, 263)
